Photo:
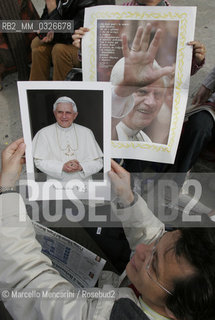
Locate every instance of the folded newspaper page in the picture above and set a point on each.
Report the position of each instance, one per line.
(75, 263)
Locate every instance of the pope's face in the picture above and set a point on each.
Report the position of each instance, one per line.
(64, 114)
(147, 103)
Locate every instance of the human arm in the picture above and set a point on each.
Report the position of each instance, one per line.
(202, 96)
(209, 81)
(51, 5)
(206, 89)
(48, 38)
(23, 268)
(45, 160)
(52, 168)
(56, 168)
(68, 10)
(43, 156)
(139, 223)
(89, 155)
(93, 159)
(49, 13)
(91, 167)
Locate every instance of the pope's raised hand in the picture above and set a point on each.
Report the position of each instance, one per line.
(138, 66)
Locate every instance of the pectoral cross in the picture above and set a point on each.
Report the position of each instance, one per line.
(69, 151)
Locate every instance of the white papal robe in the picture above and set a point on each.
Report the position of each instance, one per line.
(125, 133)
(50, 151)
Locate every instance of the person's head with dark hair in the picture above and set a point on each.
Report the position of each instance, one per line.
(194, 297)
(148, 2)
(175, 275)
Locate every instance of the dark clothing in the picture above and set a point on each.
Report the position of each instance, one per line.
(71, 10)
(60, 51)
(188, 153)
(126, 309)
(15, 47)
(113, 243)
(198, 131)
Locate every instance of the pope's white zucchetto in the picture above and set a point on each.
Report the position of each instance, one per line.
(65, 100)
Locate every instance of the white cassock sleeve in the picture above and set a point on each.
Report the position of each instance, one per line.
(93, 161)
(139, 223)
(50, 167)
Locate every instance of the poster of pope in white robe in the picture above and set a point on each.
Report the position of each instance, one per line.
(143, 52)
(68, 141)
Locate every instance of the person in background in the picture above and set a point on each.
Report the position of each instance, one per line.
(57, 48)
(199, 129)
(198, 48)
(15, 51)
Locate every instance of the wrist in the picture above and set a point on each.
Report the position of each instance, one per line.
(6, 189)
(209, 90)
(130, 198)
(7, 180)
(125, 203)
(51, 6)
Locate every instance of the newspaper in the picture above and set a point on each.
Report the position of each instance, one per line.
(75, 263)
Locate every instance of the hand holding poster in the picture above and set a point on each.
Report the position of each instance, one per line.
(142, 50)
